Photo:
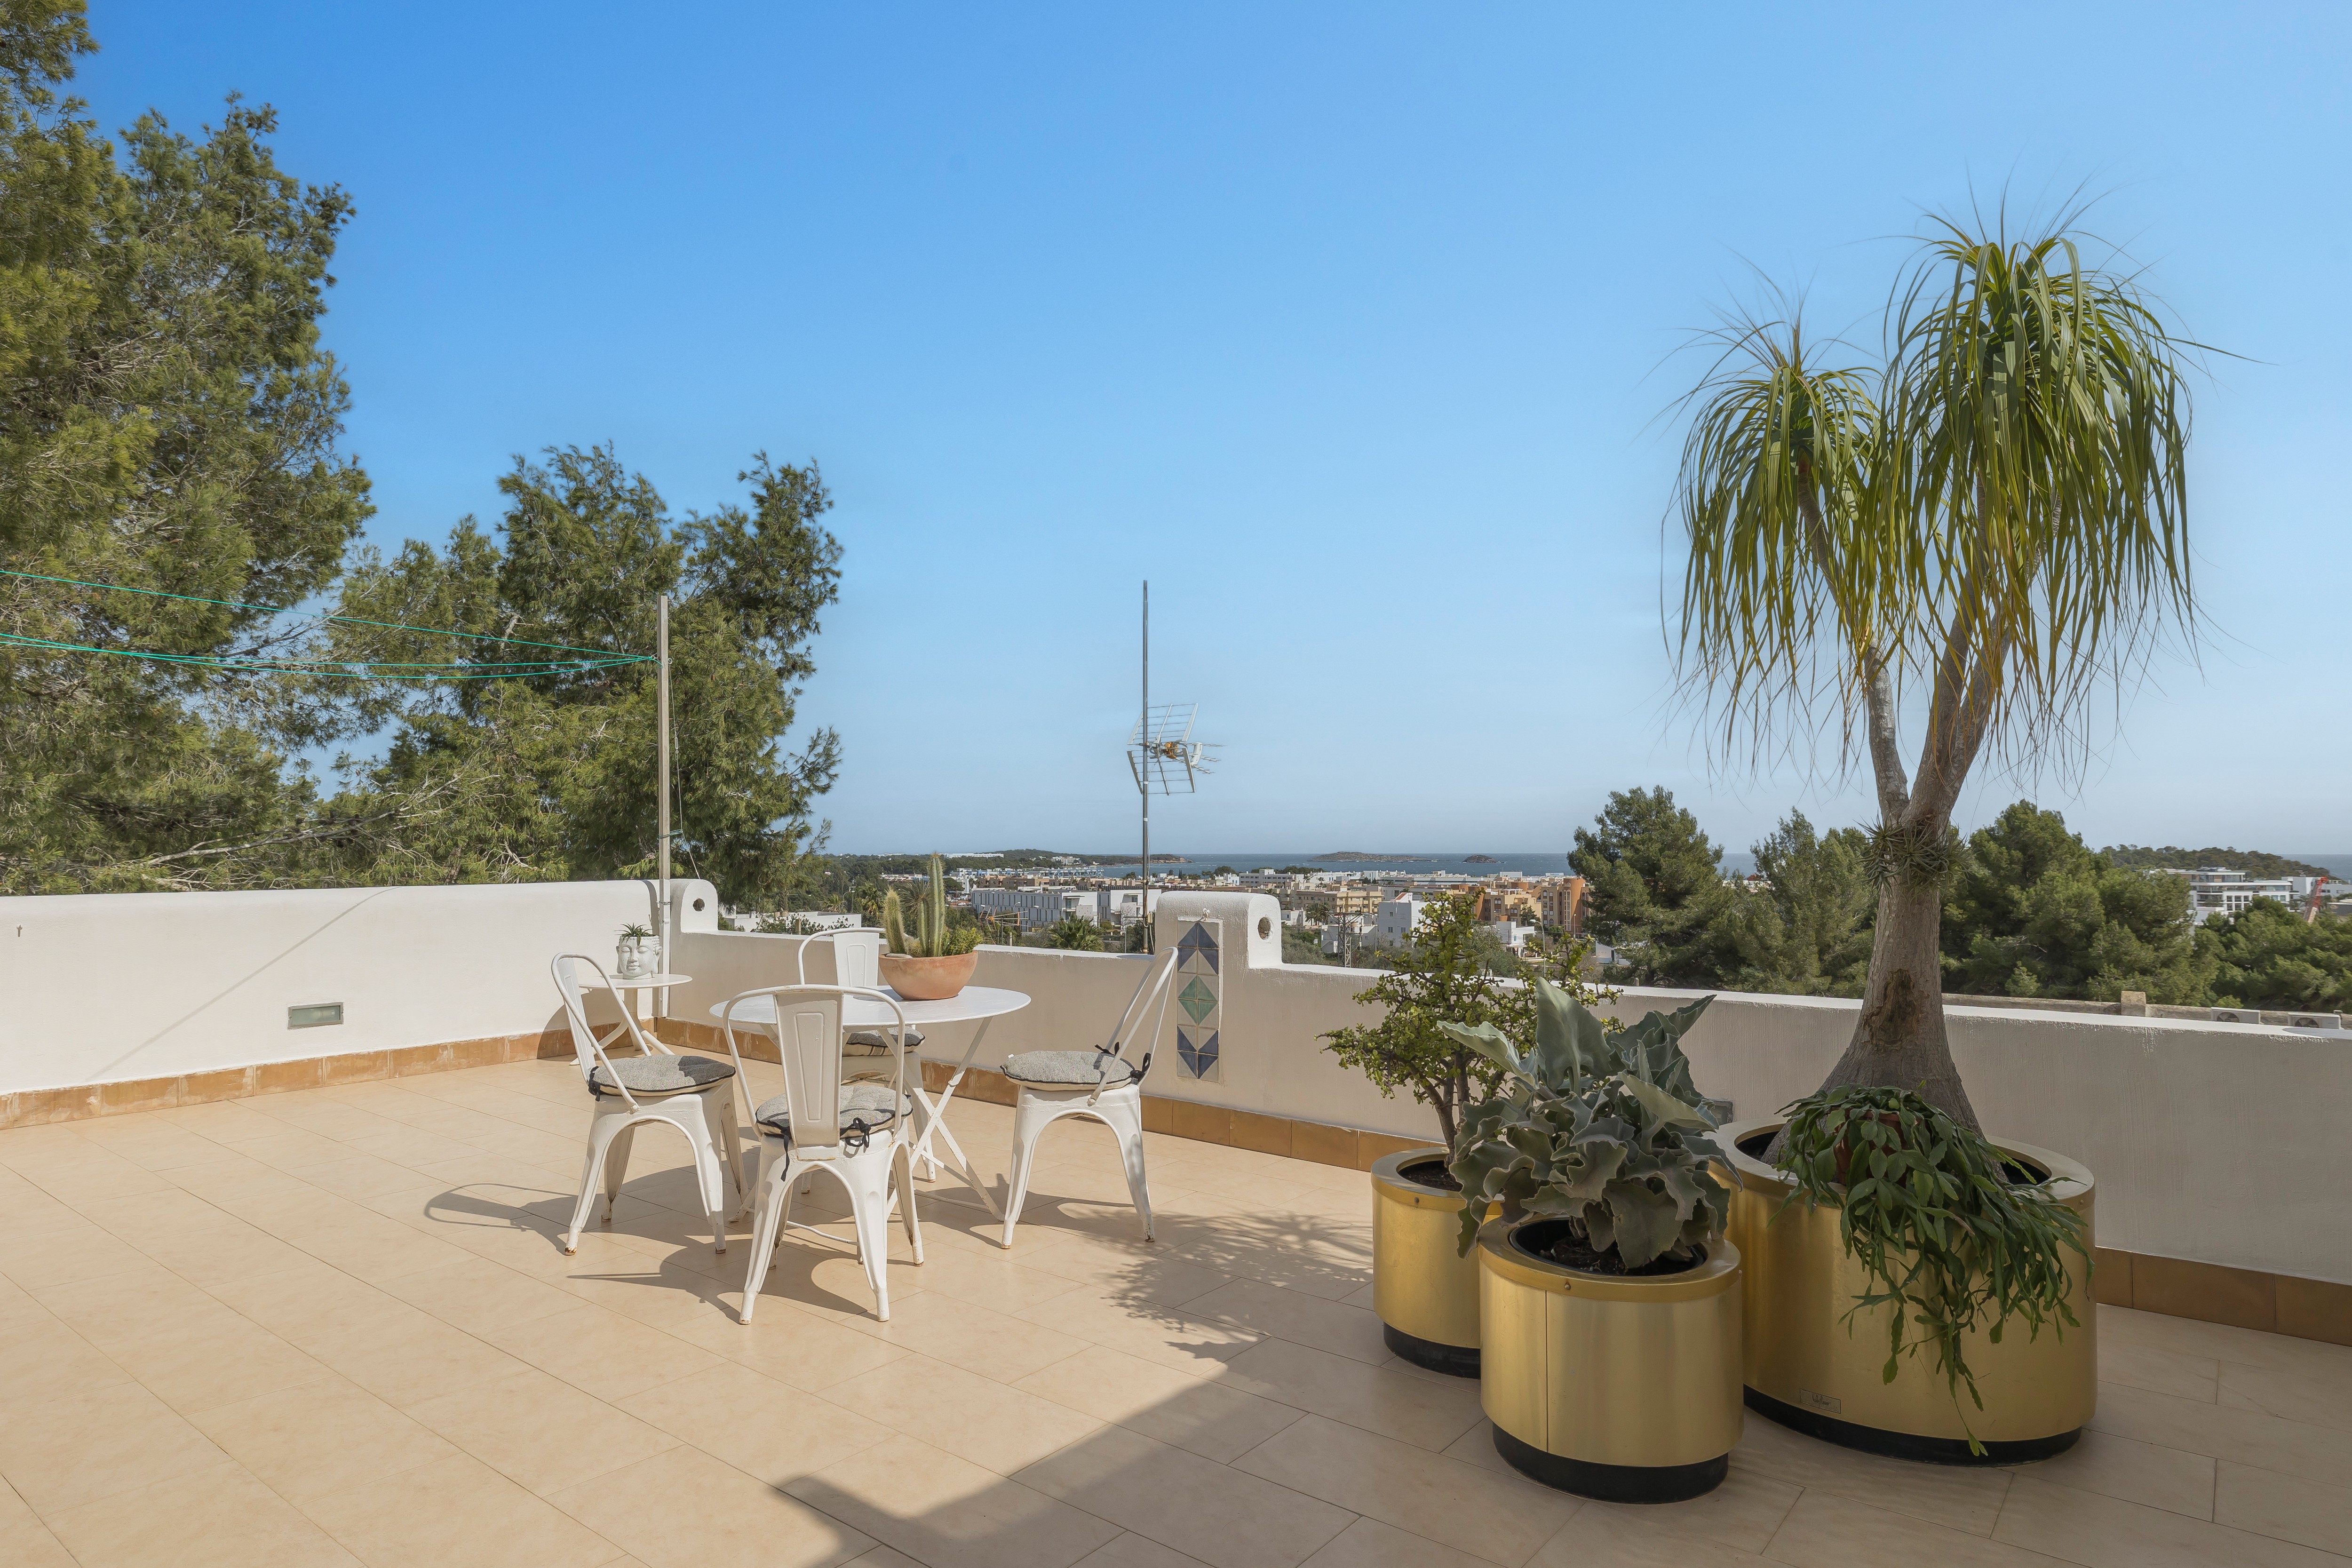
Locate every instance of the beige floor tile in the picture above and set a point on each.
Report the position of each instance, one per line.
(1369, 1544)
(972, 1416)
(121, 1306)
(2307, 1394)
(46, 1361)
(227, 1251)
(2320, 1454)
(1292, 1315)
(63, 1255)
(2218, 1342)
(1199, 1414)
(539, 1432)
(2163, 1371)
(217, 1518)
(1824, 1530)
(1223, 1516)
(31, 1545)
(458, 1513)
(683, 1509)
(801, 1348)
(2268, 1503)
(997, 1283)
(824, 1276)
(1598, 1537)
(601, 1352)
(2136, 1472)
(320, 1439)
(2107, 1533)
(477, 1295)
(418, 1149)
(197, 1362)
(376, 1248)
(361, 1177)
(1427, 1413)
(965, 1334)
(763, 1427)
(1503, 1519)
(1745, 1512)
(1163, 1334)
(66, 1452)
(948, 1513)
(1963, 1498)
(1133, 1550)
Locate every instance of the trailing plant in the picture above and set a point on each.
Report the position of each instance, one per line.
(1945, 1238)
(933, 937)
(1602, 1129)
(1440, 978)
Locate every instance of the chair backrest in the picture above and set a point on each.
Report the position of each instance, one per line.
(856, 956)
(570, 970)
(1150, 998)
(808, 1029)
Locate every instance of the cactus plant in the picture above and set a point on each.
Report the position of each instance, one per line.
(932, 936)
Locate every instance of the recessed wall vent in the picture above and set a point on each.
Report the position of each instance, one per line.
(315, 1015)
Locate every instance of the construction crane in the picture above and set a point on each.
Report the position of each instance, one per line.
(2311, 905)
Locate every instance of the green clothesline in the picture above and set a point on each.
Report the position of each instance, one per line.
(365, 669)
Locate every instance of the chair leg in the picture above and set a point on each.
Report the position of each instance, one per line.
(1125, 1118)
(710, 1183)
(1030, 1117)
(616, 1165)
(774, 1197)
(904, 1157)
(602, 1132)
(868, 1179)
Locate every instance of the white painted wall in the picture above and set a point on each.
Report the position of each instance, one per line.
(2213, 1141)
(106, 987)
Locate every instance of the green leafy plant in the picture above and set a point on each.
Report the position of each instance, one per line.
(1441, 978)
(1946, 1238)
(636, 931)
(1603, 1129)
(1076, 933)
(933, 937)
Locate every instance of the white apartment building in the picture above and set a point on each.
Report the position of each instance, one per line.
(1395, 921)
(1035, 907)
(2217, 890)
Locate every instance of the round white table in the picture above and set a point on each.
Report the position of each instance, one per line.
(622, 985)
(973, 1004)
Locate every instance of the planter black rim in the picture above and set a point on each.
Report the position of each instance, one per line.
(1454, 1360)
(1613, 1483)
(1906, 1444)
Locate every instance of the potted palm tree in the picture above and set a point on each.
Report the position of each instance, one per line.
(934, 959)
(1963, 544)
(1610, 1306)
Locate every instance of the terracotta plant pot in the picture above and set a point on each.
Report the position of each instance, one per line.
(928, 979)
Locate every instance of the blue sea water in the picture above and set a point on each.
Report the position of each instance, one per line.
(1553, 863)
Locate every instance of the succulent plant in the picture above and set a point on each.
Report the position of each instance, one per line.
(1596, 1127)
(932, 936)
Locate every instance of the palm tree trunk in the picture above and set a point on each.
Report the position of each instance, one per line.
(1899, 1039)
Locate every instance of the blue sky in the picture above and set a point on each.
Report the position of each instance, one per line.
(1351, 328)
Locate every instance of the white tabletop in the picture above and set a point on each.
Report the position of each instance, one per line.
(638, 983)
(972, 1003)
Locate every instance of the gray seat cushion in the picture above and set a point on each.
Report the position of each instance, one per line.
(1070, 1070)
(866, 1102)
(661, 1074)
(876, 1042)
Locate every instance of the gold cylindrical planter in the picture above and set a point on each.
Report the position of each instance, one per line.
(1804, 1369)
(1625, 1388)
(1423, 1291)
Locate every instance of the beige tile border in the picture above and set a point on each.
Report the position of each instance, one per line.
(2208, 1292)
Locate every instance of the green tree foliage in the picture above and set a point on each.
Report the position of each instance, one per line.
(1805, 930)
(1074, 933)
(2267, 956)
(167, 421)
(2035, 912)
(2254, 863)
(554, 776)
(1654, 891)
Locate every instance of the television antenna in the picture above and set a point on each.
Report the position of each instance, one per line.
(1162, 755)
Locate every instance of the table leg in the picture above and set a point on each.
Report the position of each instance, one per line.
(934, 1117)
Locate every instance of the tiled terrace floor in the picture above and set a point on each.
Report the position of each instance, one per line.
(333, 1325)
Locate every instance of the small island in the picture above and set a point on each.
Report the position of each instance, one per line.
(1480, 860)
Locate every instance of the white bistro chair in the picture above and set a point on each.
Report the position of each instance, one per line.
(855, 1133)
(856, 952)
(1101, 1083)
(694, 1094)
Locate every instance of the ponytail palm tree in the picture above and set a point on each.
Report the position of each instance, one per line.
(1960, 547)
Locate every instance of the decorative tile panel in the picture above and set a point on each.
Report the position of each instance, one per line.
(1200, 1000)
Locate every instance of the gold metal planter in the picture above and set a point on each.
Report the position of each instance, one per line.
(1424, 1293)
(1804, 1369)
(1615, 1387)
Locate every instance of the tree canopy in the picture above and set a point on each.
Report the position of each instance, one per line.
(1653, 890)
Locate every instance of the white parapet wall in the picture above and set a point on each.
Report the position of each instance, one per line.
(109, 987)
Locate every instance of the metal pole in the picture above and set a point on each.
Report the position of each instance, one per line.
(661, 786)
(1147, 764)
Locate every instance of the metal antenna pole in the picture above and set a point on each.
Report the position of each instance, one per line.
(661, 769)
(1147, 764)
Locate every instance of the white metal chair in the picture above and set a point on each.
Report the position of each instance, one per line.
(853, 967)
(853, 1132)
(1101, 1083)
(657, 1085)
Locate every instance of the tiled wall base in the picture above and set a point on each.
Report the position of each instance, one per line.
(2209, 1292)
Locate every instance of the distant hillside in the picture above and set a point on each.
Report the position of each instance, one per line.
(1360, 854)
(2252, 862)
